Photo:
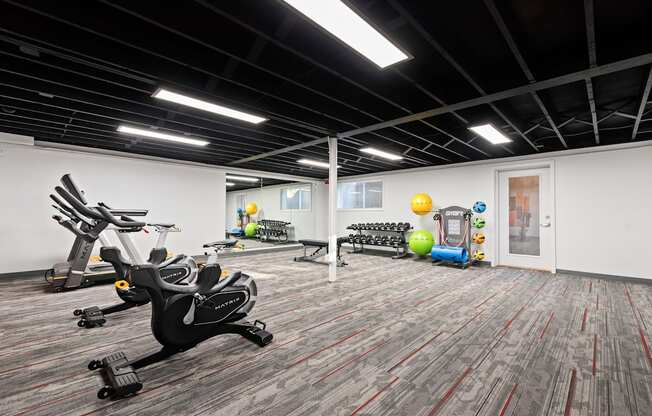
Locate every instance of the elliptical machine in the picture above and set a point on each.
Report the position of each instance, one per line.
(88, 229)
(182, 315)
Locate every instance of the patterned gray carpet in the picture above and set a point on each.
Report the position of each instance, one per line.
(391, 337)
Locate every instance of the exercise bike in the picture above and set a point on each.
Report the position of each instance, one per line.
(174, 270)
(182, 315)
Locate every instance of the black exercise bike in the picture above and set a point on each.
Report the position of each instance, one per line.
(182, 315)
(82, 223)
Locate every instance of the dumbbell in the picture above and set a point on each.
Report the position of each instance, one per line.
(378, 240)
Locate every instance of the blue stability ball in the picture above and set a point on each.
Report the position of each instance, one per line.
(479, 207)
(449, 253)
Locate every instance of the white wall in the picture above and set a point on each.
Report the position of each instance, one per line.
(192, 197)
(310, 224)
(603, 204)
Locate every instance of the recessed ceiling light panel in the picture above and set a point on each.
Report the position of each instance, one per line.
(339, 20)
(153, 134)
(315, 163)
(490, 133)
(241, 178)
(380, 153)
(177, 98)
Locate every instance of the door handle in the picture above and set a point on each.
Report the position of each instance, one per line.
(545, 225)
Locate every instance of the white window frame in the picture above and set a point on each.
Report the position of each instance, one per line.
(237, 200)
(382, 200)
(306, 187)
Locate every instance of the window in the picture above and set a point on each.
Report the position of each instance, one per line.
(360, 195)
(241, 201)
(296, 198)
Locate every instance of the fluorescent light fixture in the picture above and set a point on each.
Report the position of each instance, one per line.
(153, 134)
(166, 95)
(316, 163)
(241, 178)
(490, 133)
(343, 23)
(230, 184)
(380, 153)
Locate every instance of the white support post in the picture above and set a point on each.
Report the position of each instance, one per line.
(332, 209)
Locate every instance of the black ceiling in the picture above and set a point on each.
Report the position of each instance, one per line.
(71, 71)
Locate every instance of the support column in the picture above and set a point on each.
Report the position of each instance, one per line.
(332, 209)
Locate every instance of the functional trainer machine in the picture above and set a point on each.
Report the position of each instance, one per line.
(453, 229)
(320, 250)
(182, 315)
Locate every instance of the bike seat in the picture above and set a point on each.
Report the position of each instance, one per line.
(162, 225)
(221, 243)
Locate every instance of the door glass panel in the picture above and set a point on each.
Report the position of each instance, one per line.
(524, 216)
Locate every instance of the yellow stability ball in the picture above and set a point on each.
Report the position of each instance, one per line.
(251, 208)
(421, 204)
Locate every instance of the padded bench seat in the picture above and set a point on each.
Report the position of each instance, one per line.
(320, 245)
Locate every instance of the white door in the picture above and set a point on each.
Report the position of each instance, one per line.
(525, 219)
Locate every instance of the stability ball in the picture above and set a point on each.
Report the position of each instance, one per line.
(421, 204)
(250, 229)
(421, 242)
(479, 207)
(251, 208)
(478, 238)
(479, 222)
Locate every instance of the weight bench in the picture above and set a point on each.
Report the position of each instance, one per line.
(220, 246)
(320, 245)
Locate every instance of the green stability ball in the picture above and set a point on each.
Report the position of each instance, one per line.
(421, 242)
(250, 229)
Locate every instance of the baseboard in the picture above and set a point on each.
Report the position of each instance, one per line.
(20, 275)
(617, 278)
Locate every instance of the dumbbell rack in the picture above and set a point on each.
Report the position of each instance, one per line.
(269, 229)
(401, 246)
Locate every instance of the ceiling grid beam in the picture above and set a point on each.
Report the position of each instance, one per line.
(589, 18)
(498, 19)
(447, 56)
(641, 107)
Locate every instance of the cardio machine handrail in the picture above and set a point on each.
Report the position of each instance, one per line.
(64, 208)
(129, 212)
(71, 186)
(72, 227)
(123, 222)
(77, 204)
